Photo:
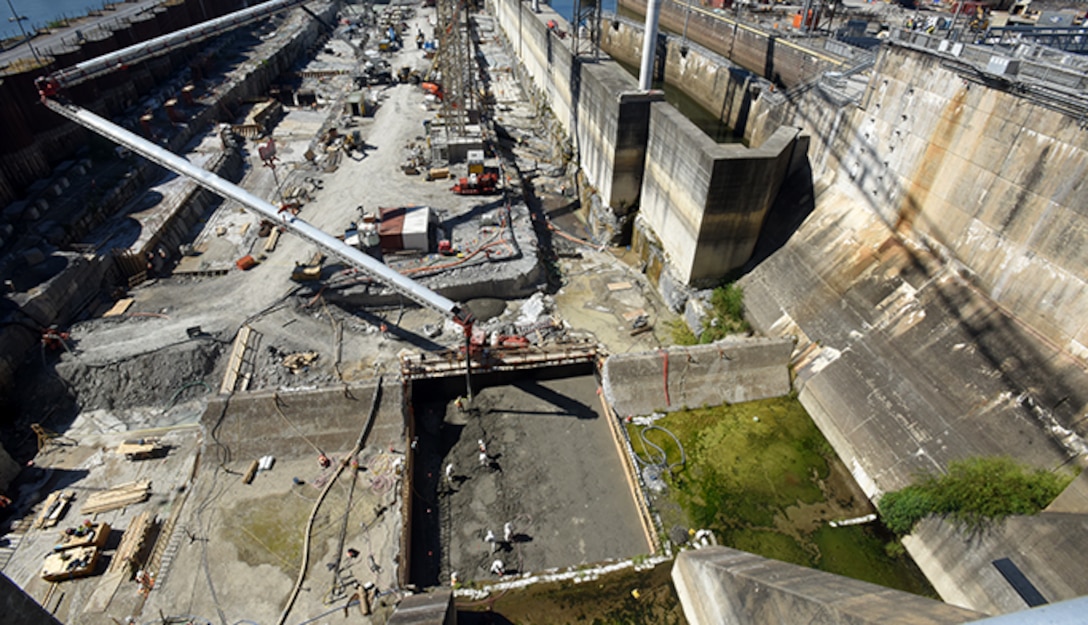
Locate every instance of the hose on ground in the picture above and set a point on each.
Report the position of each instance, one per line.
(375, 402)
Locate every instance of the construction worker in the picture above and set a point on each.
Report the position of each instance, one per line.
(480, 444)
(508, 531)
(449, 474)
(419, 40)
(483, 459)
(490, 538)
(497, 568)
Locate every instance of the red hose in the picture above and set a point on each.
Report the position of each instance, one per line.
(665, 356)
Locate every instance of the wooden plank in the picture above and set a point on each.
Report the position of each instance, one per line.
(634, 314)
(619, 286)
(54, 509)
(118, 497)
(250, 472)
(273, 238)
(132, 542)
(234, 364)
(120, 307)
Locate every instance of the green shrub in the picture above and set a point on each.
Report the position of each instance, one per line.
(727, 316)
(972, 494)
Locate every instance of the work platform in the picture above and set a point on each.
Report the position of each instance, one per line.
(418, 366)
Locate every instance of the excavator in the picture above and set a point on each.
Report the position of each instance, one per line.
(51, 87)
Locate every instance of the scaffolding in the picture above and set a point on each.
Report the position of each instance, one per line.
(456, 73)
(586, 23)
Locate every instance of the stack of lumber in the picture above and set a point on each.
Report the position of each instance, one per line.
(117, 497)
(133, 543)
(55, 507)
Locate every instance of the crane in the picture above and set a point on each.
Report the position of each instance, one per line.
(49, 89)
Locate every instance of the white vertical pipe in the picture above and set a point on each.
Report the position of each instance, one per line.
(649, 46)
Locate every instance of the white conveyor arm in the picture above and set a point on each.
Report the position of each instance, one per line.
(353, 257)
(49, 85)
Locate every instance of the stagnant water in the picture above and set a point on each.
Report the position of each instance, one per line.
(702, 117)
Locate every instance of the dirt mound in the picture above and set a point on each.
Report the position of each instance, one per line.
(150, 379)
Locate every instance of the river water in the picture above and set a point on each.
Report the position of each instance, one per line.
(38, 13)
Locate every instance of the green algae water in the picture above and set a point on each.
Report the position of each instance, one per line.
(763, 478)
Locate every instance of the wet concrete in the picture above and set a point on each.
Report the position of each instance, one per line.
(551, 471)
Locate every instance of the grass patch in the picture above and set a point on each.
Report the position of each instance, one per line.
(759, 475)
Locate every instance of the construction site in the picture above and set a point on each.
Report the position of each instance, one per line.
(247, 420)
(326, 310)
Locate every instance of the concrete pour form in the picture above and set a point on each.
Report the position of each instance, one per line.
(551, 472)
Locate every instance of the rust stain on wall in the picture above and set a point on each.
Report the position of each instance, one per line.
(932, 161)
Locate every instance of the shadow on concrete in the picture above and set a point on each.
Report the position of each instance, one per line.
(795, 202)
(33, 485)
(398, 333)
(481, 618)
(568, 406)
(479, 209)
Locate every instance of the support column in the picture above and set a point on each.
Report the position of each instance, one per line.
(649, 46)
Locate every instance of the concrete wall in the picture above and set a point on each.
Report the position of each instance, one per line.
(770, 53)
(722, 585)
(596, 102)
(729, 371)
(705, 201)
(1047, 548)
(710, 79)
(249, 425)
(936, 289)
(985, 176)
(19, 608)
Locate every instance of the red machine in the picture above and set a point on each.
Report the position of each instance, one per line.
(477, 184)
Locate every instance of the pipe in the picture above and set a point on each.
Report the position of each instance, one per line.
(536, 6)
(649, 46)
(165, 44)
(160, 156)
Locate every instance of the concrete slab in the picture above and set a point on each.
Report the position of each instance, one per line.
(551, 472)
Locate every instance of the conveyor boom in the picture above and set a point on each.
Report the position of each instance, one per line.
(49, 85)
(353, 257)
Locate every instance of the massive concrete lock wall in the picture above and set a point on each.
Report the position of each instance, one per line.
(706, 201)
(597, 103)
(722, 585)
(719, 194)
(933, 289)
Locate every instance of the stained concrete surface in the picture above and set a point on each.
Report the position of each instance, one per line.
(723, 585)
(552, 472)
(129, 368)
